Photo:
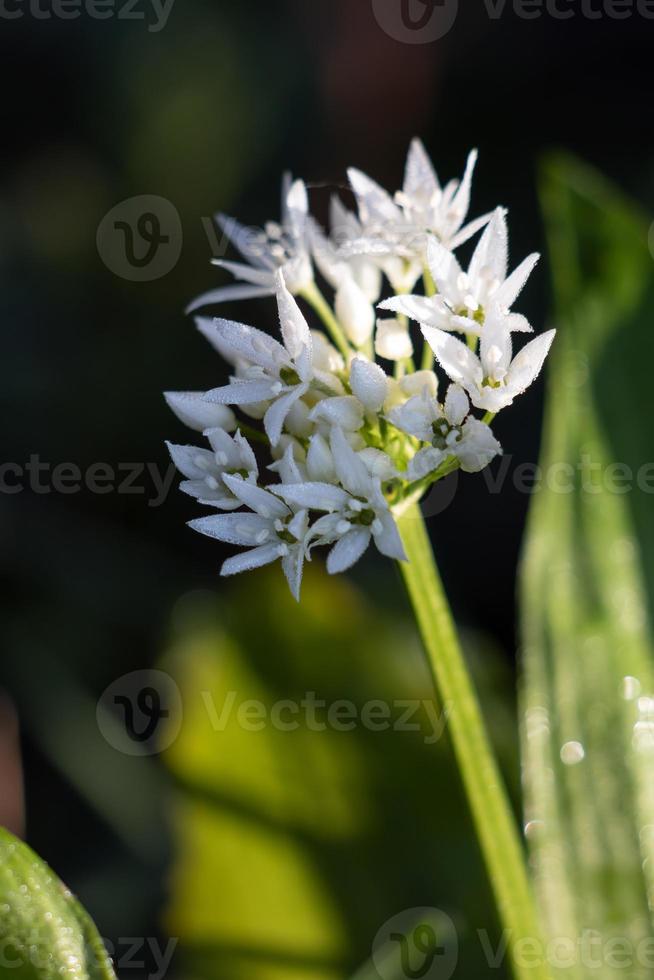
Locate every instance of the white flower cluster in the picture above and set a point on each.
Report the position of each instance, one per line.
(353, 442)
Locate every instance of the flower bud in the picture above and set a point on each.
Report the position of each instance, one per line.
(392, 340)
(369, 384)
(355, 312)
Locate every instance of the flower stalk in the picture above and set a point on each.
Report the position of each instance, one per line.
(491, 811)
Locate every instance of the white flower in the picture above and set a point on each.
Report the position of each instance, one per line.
(465, 299)
(193, 410)
(492, 379)
(205, 470)
(284, 246)
(270, 531)
(345, 411)
(354, 311)
(368, 383)
(345, 228)
(356, 512)
(448, 430)
(395, 229)
(392, 340)
(276, 374)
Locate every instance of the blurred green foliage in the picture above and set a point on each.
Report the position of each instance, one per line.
(588, 669)
(293, 847)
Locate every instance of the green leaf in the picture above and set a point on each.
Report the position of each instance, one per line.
(588, 736)
(45, 934)
(294, 847)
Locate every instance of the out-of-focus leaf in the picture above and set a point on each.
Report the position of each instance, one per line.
(45, 934)
(294, 847)
(589, 716)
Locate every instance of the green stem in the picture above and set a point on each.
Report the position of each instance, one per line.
(494, 821)
(316, 299)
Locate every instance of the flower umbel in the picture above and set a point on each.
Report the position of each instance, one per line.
(352, 445)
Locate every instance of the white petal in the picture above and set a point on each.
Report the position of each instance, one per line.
(226, 293)
(455, 357)
(242, 393)
(248, 241)
(388, 539)
(478, 446)
(457, 405)
(374, 202)
(425, 461)
(320, 464)
(354, 312)
(527, 364)
(424, 309)
(251, 344)
(415, 417)
(219, 497)
(273, 420)
(297, 199)
(292, 565)
(368, 383)
(461, 200)
(351, 470)
(224, 445)
(348, 550)
(287, 467)
(495, 349)
(469, 230)
(191, 408)
(511, 288)
(491, 254)
(419, 381)
(419, 175)
(241, 529)
(248, 459)
(252, 559)
(255, 276)
(442, 264)
(393, 340)
(378, 463)
(313, 496)
(517, 323)
(261, 501)
(325, 356)
(345, 411)
(193, 462)
(295, 330)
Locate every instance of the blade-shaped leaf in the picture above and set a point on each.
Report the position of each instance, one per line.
(45, 934)
(588, 733)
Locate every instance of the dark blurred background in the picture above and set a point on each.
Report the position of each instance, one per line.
(207, 110)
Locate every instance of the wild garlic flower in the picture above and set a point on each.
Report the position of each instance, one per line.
(284, 246)
(494, 378)
(351, 443)
(449, 430)
(394, 229)
(464, 300)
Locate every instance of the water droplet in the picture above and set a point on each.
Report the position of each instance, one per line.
(630, 688)
(572, 753)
